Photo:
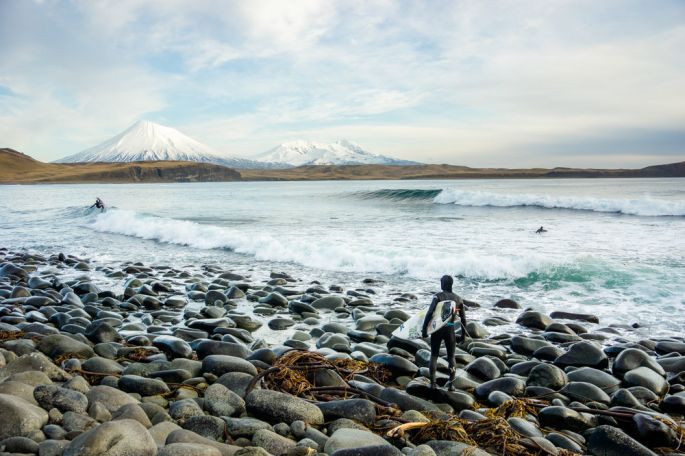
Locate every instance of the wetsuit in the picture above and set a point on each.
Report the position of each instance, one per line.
(447, 332)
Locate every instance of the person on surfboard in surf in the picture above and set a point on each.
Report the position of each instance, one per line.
(541, 230)
(447, 332)
(99, 204)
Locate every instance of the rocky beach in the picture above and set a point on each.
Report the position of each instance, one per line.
(137, 359)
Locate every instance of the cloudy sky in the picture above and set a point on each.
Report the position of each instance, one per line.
(481, 83)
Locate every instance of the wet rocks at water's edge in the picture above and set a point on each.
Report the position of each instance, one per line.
(173, 363)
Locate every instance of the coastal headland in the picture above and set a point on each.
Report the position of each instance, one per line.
(166, 360)
(18, 168)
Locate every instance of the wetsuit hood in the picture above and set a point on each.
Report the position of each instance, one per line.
(446, 283)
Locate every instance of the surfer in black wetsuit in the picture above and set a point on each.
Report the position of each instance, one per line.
(447, 332)
(541, 230)
(99, 204)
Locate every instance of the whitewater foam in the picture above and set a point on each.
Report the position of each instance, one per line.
(646, 206)
(321, 253)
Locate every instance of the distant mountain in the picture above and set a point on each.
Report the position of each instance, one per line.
(148, 141)
(304, 153)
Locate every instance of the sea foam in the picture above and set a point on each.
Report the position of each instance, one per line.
(646, 206)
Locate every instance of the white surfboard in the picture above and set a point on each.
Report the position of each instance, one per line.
(411, 329)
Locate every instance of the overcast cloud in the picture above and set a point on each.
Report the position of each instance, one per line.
(481, 83)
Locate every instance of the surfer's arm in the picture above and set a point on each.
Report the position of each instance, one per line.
(427, 318)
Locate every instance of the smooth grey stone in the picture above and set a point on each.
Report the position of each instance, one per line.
(184, 409)
(603, 380)
(59, 344)
(221, 401)
(581, 354)
(548, 376)
(534, 320)
(665, 347)
(574, 316)
(527, 345)
(275, 406)
(52, 447)
(405, 401)
(646, 377)
(210, 427)
(585, 392)
(236, 382)
(272, 442)
(221, 364)
(654, 433)
(174, 347)
(19, 445)
(103, 365)
(214, 347)
(565, 442)
(245, 427)
(361, 410)
(346, 438)
(141, 385)
(632, 358)
(133, 412)
(562, 418)
(188, 449)
(508, 385)
(397, 365)
(113, 438)
(185, 436)
(483, 368)
(111, 398)
(63, 399)
(274, 299)
(610, 441)
(19, 417)
(452, 448)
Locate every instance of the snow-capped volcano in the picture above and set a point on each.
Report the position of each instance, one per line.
(342, 152)
(148, 141)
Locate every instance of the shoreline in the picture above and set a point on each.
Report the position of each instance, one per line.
(170, 362)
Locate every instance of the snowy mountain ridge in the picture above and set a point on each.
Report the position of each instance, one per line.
(341, 152)
(149, 141)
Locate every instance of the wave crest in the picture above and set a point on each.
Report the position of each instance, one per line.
(650, 207)
(400, 194)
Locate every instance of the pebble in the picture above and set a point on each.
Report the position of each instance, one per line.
(275, 406)
(113, 438)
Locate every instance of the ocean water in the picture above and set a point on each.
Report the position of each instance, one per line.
(614, 247)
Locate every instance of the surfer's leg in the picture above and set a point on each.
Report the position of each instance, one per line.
(450, 345)
(436, 341)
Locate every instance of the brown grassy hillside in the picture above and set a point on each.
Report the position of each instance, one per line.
(368, 172)
(18, 168)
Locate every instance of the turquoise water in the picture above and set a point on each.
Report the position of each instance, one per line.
(614, 247)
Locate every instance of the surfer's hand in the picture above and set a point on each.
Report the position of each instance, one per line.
(424, 334)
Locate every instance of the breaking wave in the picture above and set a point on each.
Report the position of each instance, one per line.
(324, 253)
(650, 207)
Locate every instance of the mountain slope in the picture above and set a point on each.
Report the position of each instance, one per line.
(148, 141)
(304, 153)
(18, 168)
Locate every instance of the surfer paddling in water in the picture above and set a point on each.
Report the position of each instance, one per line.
(439, 323)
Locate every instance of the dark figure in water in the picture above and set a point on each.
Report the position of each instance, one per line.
(447, 332)
(99, 204)
(541, 230)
